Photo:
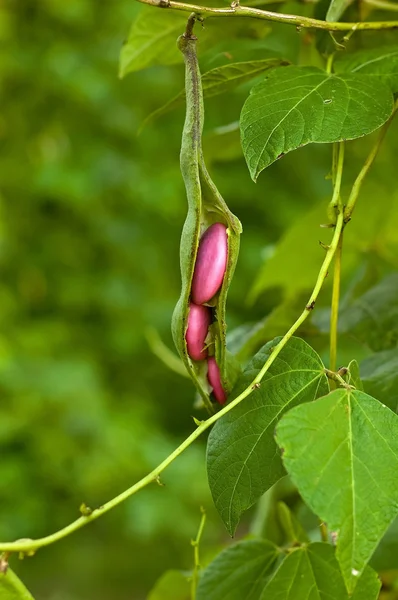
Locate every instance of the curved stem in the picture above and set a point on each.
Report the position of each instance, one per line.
(28, 545)
(235, 10)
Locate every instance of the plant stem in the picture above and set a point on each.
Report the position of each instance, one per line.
(334, 314)
(336, 206)
(324, 532)
(365, 169)
(337, 174)
(195, 543)
(235, 10)
(28, 545)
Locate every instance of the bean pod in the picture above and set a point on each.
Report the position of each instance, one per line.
(207, 259)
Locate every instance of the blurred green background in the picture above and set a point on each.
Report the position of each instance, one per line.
(90, 221)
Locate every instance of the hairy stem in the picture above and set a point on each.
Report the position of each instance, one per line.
(235, 10)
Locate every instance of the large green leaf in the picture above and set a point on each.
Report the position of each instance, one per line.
(152, 40)
(313, 573)
(378, 64)
(373, 317)
(240, 572)
(172, 585)
(242, 458)
(12, 588)
(380, 377)
(220, 80)
(295, 106)
(342, 453)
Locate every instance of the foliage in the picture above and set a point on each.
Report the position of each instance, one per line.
(91, 216)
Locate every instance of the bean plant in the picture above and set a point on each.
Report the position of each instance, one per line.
(280, 418)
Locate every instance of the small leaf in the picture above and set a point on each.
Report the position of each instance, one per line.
(295, 106)
(380, 377)
(220, 80)
(12, 588)
(242, 458)
(378, 64)
(373, 317)
(172, 585)
(292, 528)
(239, 572)
(342, 453)
(337, 8)
(307, 573)
(152, 40)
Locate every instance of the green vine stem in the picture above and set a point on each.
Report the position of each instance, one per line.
(336, 205)
(334, 313)
(236, 10)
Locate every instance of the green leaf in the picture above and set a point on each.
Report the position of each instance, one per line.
(342, 453)
(295, 106)
(378, 64)
(239, 572)
(172, 585)
(373, 317)
(295, 534)
(152, 40)
(12, 588)
(220, 80)
(242, 458)
(337, 8)
(307, 573)
(380, 377)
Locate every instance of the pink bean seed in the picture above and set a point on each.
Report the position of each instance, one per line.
(199, 319)
(213, 376)
(211, 262)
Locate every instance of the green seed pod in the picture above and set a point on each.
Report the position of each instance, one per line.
(205, 207)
